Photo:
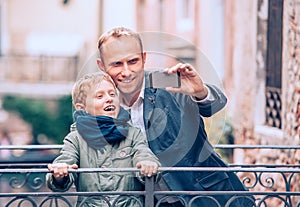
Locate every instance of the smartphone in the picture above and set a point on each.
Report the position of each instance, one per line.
(159, 79)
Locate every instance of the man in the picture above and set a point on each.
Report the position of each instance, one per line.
(170, 118)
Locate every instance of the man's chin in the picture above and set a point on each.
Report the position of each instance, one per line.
(125, 89)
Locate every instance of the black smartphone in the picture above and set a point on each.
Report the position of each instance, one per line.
(159, 79)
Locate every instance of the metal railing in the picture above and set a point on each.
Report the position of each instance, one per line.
(38, 68)
(23, 184)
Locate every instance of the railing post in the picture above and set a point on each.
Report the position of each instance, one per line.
(149, 191)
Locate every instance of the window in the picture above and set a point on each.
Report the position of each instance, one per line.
(274, 64)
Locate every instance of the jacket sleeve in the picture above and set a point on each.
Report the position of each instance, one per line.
(56, 187)
(210, 108)
(142, 152)
(69, 155)
(141, 149)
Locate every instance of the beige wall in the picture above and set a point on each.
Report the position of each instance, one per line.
(240, 71)
(52, 40)
(23, 18)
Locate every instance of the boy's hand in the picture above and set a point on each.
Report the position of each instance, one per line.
(147, 168)
(60, 170)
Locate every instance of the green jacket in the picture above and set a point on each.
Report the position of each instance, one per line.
(121, 155)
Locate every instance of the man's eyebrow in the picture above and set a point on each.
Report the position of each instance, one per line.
(114, 62)
(134, 58)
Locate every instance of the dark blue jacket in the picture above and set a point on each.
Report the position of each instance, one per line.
(176, 134)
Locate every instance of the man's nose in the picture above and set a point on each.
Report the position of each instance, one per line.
(126, 70)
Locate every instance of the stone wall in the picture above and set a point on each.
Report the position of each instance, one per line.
(291, 79)
(291, 70)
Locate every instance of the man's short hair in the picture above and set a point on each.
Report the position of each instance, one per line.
(116, 33)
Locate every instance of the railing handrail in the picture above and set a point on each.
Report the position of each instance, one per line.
(156, 193)
(31, 147)
(161, 169)
(16, 165)
(217, 146)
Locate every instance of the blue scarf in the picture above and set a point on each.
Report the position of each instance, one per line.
(99, 131)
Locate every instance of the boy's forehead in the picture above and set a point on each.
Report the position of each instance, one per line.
(104, 85)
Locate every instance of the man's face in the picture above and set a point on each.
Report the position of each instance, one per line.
(102, 100)
(123, 61)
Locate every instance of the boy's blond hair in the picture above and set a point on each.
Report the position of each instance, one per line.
(83, 86)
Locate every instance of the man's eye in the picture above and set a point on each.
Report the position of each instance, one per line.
(99, 96)
(133, 61)
(117, 64)
(113, 94)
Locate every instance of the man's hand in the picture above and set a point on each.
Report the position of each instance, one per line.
(147, 168)
(191, 82)
(60, 170)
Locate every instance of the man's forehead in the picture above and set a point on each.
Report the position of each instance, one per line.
(117, 50)
(125, 57)
(119, 43)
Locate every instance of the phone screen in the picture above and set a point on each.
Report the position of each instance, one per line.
(158, 79)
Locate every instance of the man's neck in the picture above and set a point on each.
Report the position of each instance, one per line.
(129, 99)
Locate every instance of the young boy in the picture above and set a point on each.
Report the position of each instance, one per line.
(102, 138)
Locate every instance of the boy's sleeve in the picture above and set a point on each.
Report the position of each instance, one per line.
(57, 187)
(141, 149)
(69, 155)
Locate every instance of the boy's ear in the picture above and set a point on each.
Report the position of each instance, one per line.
(79, 106)
(100, 64)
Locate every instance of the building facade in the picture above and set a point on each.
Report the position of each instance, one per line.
(248, 48)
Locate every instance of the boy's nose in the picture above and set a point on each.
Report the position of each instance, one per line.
(109, 99)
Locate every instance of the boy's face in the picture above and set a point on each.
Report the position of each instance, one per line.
(102, 100)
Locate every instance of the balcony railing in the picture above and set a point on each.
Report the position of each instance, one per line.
(38, 76)
(23, 183)
(38, 68)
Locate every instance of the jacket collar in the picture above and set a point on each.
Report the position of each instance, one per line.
(149, 100)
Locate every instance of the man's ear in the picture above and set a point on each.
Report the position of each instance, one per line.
(144, 57)
(100, 64)
(79, 106)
